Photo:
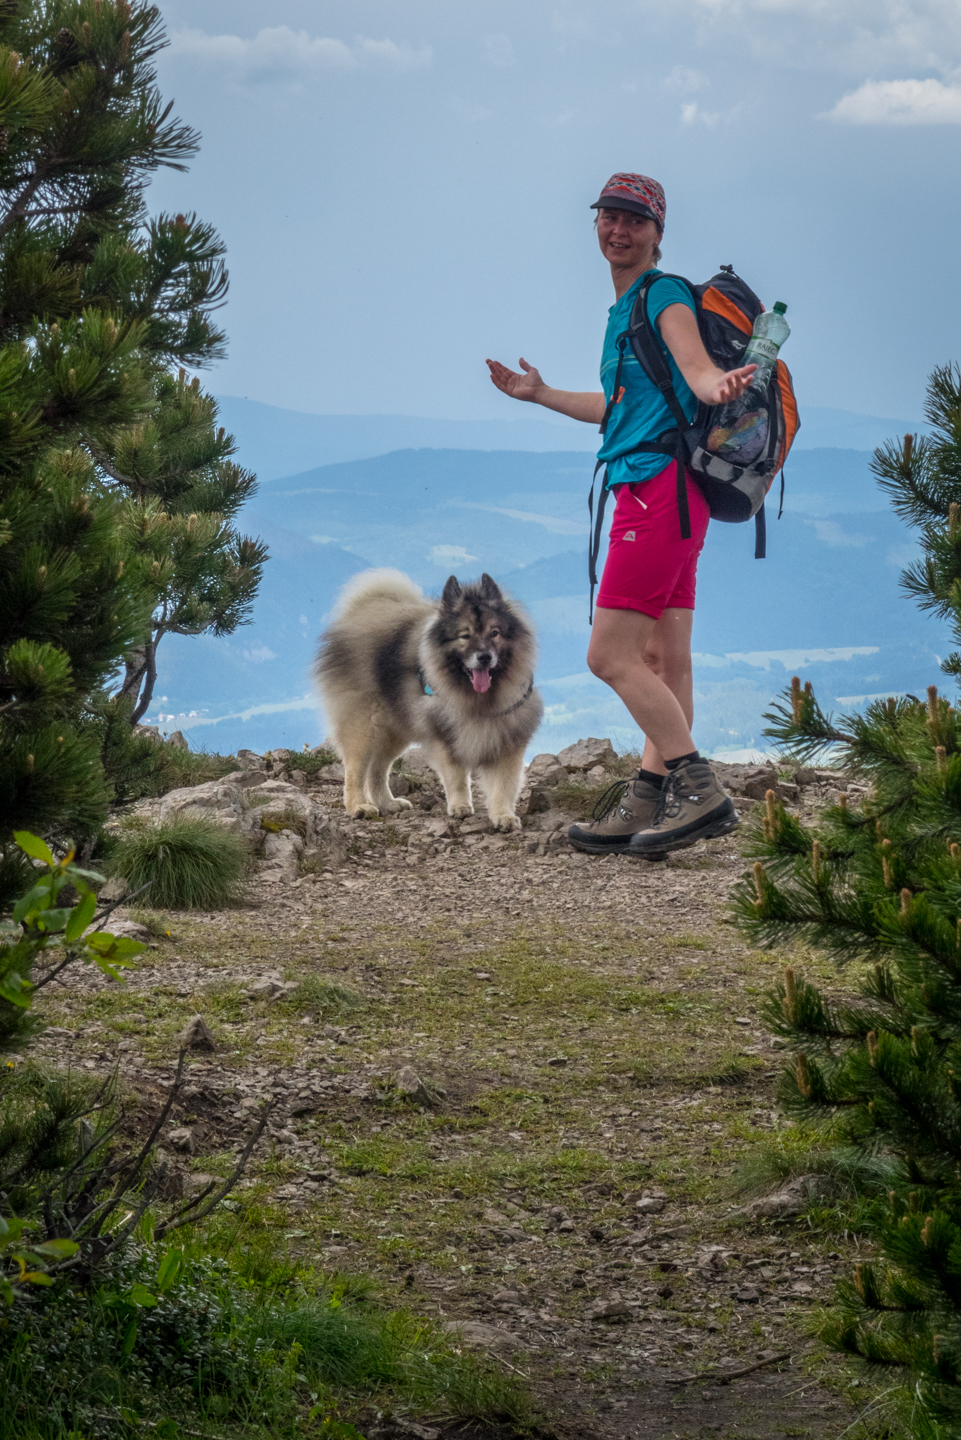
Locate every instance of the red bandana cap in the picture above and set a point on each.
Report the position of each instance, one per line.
(634, 192)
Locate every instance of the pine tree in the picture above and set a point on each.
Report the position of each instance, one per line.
(877, 886)
(97, 302)
(182, 491)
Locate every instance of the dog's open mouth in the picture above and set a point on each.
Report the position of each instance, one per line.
(481, 680)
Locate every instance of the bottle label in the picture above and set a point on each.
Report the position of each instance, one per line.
(761, 348)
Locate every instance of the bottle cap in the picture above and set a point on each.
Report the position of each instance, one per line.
(779, 307)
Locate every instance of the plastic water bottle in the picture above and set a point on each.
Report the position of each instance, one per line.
(769, 334)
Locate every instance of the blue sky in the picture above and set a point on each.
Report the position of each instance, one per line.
(404, 187)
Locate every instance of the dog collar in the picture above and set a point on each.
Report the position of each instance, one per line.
(425, 688)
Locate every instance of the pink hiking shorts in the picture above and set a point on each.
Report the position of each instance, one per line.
(649, 567)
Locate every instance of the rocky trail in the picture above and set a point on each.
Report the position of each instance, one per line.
(510, 1085)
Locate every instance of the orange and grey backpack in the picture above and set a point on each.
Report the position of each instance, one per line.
(733, 452)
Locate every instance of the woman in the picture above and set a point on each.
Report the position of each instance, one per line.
(641, 638)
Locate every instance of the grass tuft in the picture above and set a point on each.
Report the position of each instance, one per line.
(192, 864)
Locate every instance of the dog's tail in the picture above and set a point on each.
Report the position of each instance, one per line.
(376, 585)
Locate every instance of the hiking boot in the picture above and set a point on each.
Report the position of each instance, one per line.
(622, 810)
(693, 807)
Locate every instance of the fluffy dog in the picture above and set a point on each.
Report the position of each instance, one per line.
(455, 674)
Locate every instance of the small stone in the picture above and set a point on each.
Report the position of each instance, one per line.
(506, 1297)
(652, 1205)
(196, 1035)
(747, 1296)
(265, 989)
(610, 1310)
(557, 1060)
(742, 1020)
(129, 930)
(566, 1227)
(409, 1084)
(182, 1140)
(585, 754)
(114, 889)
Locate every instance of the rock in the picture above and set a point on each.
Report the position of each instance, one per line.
(557, 1060)
(474, 824)
(196, 1035)
(597, 773)
(506, 1297)
(805, 775)
(177, 741)
(535, 801)
(609, 1310)
(741, 1020)
(224, 804)
(275, 799)
(129, 929)
(266, 989)
(182, 1140)
(298, 778)
(788, 791)
(245, 779)
(650, 1205)
(149, 732)
(748, 1296)
(438, 829)
(196, 1180)
(544, 770)
(793, 1198)
(399, 785)
(279, 757)
(250, 759)
(282, 852)
(114, 889)
(585, 754)
(759, 781)
(487, 1337)
(409, 1084)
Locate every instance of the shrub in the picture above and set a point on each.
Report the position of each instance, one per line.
(191, 864)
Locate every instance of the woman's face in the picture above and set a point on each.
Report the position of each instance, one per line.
(627, 240)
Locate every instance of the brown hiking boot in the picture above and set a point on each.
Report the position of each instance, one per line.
(622, 810)
(693, 807)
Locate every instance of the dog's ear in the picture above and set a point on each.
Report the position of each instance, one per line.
(489, 589)
(452, 593)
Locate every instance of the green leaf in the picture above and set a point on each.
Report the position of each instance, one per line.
(140, 1295)
(37, 1277)
(54, 920)
(80, 917)
(33, 846)
(167, 1429)
(6, 1291)
(15, 990)
(129, 1338)
(119, 948)
(74, 871)
(60, 1249)
(170, 1268)
(32, 901)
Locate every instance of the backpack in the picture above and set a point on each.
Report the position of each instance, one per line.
(732, 452)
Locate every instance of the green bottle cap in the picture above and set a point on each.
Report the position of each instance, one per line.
(779, 307)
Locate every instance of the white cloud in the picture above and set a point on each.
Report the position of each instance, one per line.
(258, 654)
(684, 80)
(499, 49)
(449, 554)
(281, 53)
(900, 102)
(692, 114)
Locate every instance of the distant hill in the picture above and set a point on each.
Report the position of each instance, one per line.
(276, 442)
(826, 603)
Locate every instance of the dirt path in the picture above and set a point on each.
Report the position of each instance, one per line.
(586, 1033)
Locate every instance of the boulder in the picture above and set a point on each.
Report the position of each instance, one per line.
(282, 852)
(544, 770)
(177, 741)
(245, 779)
(129, 929)
(275, 798)
(250, 759)
(585, 754)
(225, 804)
(114, 889)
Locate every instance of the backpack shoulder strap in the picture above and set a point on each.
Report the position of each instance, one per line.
(646, 344)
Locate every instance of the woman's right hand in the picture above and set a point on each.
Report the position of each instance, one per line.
(518, 387)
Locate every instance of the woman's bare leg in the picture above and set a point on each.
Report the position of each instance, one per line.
(647, 663)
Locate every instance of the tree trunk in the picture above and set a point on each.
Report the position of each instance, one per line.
(135, 667)
(148, 678)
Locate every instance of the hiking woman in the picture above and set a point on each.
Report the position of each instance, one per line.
(641, 637)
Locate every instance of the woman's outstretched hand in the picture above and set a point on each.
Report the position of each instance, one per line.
(518, 387)
(727, 386)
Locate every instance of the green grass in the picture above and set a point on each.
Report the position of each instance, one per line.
(311, 764)
(191, 864)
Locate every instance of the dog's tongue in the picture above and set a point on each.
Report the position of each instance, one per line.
(481, 680)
